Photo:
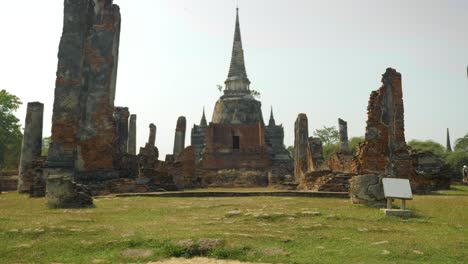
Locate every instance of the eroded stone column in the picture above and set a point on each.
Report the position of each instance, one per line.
(301, 135)
(131, 148)
(68, 85)
(384, 149)
(179, 140)
(32, 145)
(315, 154)
(343, 131)
(97, 135)
(152, 135)
(121, 115)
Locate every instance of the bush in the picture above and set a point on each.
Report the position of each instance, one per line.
(353, 143)
(456, 160)
(428, 145)
(329, 150)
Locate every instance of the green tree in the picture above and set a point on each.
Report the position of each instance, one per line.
(291, 151)
(329, 150)
(457, 159)
(353, 143)
(255, 93)
(45, 145)
(461, 144)
(328, 135)
(428, 145)
(10, 132)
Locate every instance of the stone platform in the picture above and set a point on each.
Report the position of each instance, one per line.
(233, 194)
(398, 213)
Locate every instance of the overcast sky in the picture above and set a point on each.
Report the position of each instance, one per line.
(322, 58)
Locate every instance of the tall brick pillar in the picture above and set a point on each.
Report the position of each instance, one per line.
(97, 135)
(121, 115)
(301, 136)
(32, 145)
(343, 133)
(68, 85)
(152, 135)
(131, 147)
(179, 140)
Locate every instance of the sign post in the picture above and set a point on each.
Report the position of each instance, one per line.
(397, 189)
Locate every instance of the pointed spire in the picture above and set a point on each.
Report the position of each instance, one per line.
(203, 122)
(272, 118)
(449, 145)
(237, 76)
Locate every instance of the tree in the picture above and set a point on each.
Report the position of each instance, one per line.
(461, 144)
(291, 151)
(255, 93)
(10, 132)
(328, 135)
(220, 88)
(428, 145)
(457, 159)
(45, 145)
(329, 150)
(353, 143)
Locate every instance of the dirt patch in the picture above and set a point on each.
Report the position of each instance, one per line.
(200, 261)
(137, 253)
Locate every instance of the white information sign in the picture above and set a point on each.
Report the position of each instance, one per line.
(397, 188)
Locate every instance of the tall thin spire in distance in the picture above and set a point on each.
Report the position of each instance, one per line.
(203, 122)
(449, 145)
(272, 118)
(237, 76)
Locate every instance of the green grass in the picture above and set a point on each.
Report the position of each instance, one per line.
(32, 233)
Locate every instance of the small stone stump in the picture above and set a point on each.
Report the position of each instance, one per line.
(62, 192)
(367, 189)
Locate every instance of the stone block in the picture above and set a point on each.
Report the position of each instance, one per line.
(367, 189)
(397, 213)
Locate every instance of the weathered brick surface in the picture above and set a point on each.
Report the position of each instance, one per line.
(68, 85)
(198, 137)
(8, 180)
(220, 153)
(84, 135)
(315, 160)
(384, 149)
(341, 162)
(32, 145)
(301, 136)
(131, 147)
(152, 135)
(431, 172)
(179, 138)
(343, 134)
(121, 115)
(97, 136)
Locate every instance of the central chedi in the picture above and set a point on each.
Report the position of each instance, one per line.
(236, 146)
(237, 105)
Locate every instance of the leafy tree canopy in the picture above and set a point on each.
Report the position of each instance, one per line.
(428, 145)
(10, 132)
(328, 135)
(291, 151)
(353, 143)
(461, 144)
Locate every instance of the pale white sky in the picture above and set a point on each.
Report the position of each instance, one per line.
(322, 58)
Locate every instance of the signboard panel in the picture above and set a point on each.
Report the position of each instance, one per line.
(397, 188)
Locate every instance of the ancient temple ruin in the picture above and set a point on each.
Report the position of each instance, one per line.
(93, 148)
(84, 135)
(383, 153)
(237, 139)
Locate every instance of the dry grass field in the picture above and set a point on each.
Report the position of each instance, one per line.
(253, 229)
